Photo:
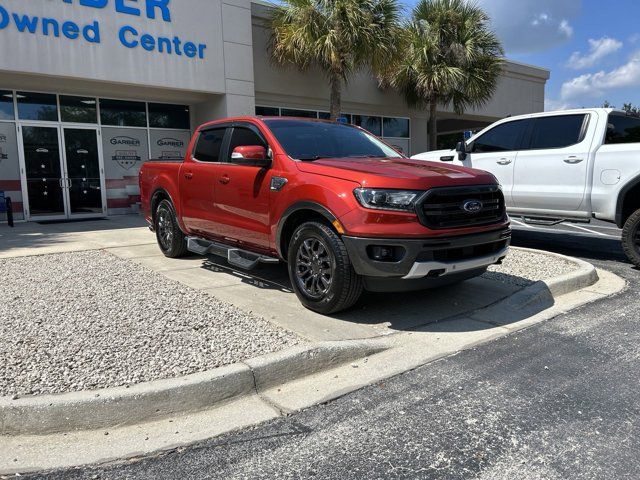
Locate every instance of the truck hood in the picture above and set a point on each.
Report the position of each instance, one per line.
(401, 173)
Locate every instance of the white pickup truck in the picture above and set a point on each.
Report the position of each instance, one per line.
(571, 165)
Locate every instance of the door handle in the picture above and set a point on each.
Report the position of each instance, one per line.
(188, 175)
(504, 161)
(572, 160)
(224, 179)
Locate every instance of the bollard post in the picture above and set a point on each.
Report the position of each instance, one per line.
(9, 211)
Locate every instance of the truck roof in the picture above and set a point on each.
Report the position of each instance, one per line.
(567, 112)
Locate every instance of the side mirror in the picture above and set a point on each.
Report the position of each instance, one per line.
(461, 148)
(254, 155)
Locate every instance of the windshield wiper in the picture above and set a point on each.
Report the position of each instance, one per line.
(310, 158)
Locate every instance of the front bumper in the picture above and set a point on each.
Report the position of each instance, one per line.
(429, 257)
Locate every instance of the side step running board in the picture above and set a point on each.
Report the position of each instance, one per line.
(235, 256)
(543, 221)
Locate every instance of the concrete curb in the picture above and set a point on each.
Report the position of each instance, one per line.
(585, 276)
(148, 401)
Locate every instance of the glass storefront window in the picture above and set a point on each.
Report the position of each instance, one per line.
(268, 111)
(123, 113)
(6, 105)
(292, 112)
(396, 127)
(371, 124)
(37, 106)
(164, 115)
(78, 109)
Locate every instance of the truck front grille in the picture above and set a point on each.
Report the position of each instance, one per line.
(453, 207)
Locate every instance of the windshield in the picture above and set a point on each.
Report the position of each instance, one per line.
(305, 140)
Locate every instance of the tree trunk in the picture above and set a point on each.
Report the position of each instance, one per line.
(433, 124)
(336, 97)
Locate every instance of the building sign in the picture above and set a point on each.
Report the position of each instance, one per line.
(169, 144)
(128, 35)
(124, 151)
(165, 43)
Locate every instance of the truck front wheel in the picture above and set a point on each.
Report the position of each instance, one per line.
(320, 270)
(631, 238)
(171, 240)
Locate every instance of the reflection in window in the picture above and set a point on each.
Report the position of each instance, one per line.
(623, 129)
(6, 105)
(371, 124)
(122, 113)
(209, 145)
(164, 115)
(37, 106)
(268, 111)
(78, 109)
(396, 127)
(292, 112)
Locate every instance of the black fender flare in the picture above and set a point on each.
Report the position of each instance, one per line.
(621, 197)
(296, 207)
(152, 202)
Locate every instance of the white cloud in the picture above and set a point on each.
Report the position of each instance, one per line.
(551, 105)
(598, 49)
(532, 25)
(596, 84)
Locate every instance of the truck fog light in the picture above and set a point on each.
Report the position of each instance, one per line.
(385, 253)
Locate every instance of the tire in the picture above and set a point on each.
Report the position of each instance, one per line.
(631, 238)
(171, 240)
(320, 270)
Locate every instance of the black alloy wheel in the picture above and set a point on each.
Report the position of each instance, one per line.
(320, 270)
(171, 240)
(314, 267)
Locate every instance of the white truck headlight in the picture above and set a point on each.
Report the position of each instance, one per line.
(384, 199)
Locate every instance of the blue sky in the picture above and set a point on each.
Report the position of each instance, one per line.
(592, 47)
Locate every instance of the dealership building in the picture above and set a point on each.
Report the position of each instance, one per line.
(90, 89)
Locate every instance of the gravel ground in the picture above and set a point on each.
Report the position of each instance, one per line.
(118, 327)
(524, 268)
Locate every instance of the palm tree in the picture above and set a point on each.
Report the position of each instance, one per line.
(338, 36)
(450, 56)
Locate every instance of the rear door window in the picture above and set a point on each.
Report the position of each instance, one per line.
(505, 137)
(558, 131)
(622, 129)
(209, 145)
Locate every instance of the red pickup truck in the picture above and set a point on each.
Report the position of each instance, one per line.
(344, 210)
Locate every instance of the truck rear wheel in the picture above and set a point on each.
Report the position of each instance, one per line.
(631, 238)
(171, 240)
(320, 270)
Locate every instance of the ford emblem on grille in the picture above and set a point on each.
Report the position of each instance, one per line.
(472, 206)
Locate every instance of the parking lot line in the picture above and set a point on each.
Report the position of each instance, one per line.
(587, 230)
(520, 223)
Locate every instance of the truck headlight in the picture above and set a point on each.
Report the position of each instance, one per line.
(383, 199)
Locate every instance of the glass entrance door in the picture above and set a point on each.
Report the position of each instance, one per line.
(63, 172)
(44, 172)
(82, 158)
